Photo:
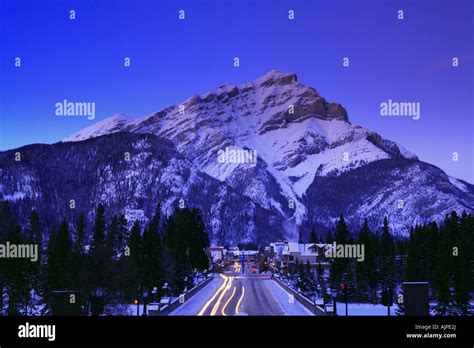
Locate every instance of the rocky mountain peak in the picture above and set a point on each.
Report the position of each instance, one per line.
(303, 143)
(276, 77)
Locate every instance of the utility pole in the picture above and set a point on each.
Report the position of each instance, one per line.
(389, 294)
(334, 295)
(137, 300)
(387, 299)
(145, 298)
(344, 290)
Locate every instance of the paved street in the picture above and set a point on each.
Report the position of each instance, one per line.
(237, 293)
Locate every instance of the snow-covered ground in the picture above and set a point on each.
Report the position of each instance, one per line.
(364, 309)
(129, 309)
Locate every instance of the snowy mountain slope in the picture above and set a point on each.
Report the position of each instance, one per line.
(407, 191)
(298, 137)
(95, 170)
(110, 125)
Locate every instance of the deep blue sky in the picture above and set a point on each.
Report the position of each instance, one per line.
(82, 60)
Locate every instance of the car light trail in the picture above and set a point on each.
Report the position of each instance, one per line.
(230, 299)
(240, 300)
(208, 303)
(216, 306)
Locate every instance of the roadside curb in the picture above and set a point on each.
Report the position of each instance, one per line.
(301, 299)
(176, 303)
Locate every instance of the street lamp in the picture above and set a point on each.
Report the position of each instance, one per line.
(137, 303)
(165, 290)
(155, 293)
(137, 300)
(334, 295)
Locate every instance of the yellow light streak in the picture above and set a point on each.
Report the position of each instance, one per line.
(208, 303)
(240, 300)
(230, 299)
(218, 303)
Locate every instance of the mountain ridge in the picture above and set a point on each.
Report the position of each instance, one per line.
(96, 171)
(300, 140)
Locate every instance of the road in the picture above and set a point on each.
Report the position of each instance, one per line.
(237, 293)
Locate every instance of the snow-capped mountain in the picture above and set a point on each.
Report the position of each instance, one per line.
(408, 192)
(110, 125)
(128, 173)
(298, 136)
(312, 163)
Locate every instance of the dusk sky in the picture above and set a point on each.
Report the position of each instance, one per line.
(405, 60)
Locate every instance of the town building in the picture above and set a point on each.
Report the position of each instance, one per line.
(286, 255)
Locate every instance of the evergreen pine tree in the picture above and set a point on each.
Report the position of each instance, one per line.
(80, 226)
(340, 265)
(198, 242)
(134, 243)
(462, 265)
(7, 224)
(185, 242)
(58, 268)
(98, 236)
(34, 236)
(101, 273)
(441, 276)
(375, 274)
(59, 258)
(387, 258)
(123, 235)
(411, 257)
(34, 229)
(431, 247)
(17, 278)
(364, 269)
(329, 238)
(300, 236)
(133, 258)
(152, 252)
(112, 236)
(79, 266)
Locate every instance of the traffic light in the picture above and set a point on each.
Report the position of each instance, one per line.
(387, 298)
(136, 301)
(343, 290)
